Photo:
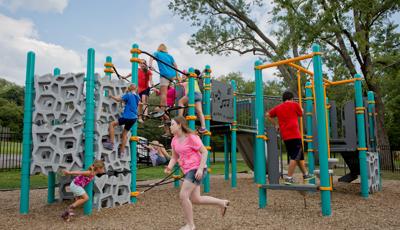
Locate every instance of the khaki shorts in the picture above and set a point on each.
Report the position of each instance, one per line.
(164, 81)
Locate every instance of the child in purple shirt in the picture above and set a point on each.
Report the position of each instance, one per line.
(79, 183)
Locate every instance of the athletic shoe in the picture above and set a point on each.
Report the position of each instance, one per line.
(108, 145)
(289, 181)
(140, 120)
(308, 177)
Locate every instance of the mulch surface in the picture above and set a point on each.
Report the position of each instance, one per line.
(159, 208)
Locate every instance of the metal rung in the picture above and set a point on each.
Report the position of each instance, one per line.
(295, 187)
(330, 171)
(332, 162)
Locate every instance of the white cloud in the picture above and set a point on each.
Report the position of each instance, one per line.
(17, 37)
(157, 8)
(37, 5)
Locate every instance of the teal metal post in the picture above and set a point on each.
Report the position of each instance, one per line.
(191, 111)
(253, 124)
(233, 138)
(27, 134)
(309, 126)
(260, 160)
(226, 156)
(372, 136)
(207, 117)
(89, 125)
(362, 153)
(133, 142)
(51, 178)
(322, 131)
(108, 71)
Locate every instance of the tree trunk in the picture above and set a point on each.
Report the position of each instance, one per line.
(382, 136)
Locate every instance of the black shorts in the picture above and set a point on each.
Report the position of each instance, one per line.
(294, 149)
(128, 123)
(144, 92)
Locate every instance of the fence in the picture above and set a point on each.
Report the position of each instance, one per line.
(10, 149)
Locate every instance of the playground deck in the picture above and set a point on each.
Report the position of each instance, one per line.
(159, 209)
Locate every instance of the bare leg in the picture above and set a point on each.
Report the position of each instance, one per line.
(111, 130)
(144, 101)
(196, 198)
(182, 102)
(80, 201)
(163, 96)
(292, 167)
(124, 139)
(140, 108)
(184, 195)
(199, 111)
(302, 166)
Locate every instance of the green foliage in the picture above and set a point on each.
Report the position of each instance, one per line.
(271, 88)
(11, 105)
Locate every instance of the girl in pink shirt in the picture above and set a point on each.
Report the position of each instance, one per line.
(190, 153)
(79, 183)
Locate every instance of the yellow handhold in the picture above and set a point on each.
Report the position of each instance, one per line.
(136, 50)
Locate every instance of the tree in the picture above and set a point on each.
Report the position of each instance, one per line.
(226, 27)
(354, 33)
(349, 32)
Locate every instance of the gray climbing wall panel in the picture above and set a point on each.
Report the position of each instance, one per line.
(58, 135)
(373, 177)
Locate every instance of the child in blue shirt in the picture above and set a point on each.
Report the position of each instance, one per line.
(167, 73)
(127, 119)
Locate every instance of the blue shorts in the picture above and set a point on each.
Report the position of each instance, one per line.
(190, 176)
(76, 189)
(198, 97)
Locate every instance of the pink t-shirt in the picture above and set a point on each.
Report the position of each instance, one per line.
(171, 96)
(188, 151)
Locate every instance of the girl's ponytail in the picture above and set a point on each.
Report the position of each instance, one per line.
(97, 164)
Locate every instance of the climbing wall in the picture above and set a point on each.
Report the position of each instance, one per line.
(58, 123)
(373, 168)
(58, 134)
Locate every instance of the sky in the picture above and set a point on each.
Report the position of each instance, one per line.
(61, 31)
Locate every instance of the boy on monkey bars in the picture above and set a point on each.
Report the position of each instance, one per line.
(288, 114)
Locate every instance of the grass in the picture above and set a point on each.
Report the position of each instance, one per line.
(10, 147)
(12, 179)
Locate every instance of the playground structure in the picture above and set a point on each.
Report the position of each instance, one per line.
(317, 85)
(266, 146)
(65, 123)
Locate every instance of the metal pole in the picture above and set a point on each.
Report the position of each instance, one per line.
(372, 136)
(260, 160)
(27, 134)
(108, 70)
(134, 138)
(51, 178)
(309, 126)
(191, 111)
(89, 125)
(322, 133)
(226, 157)
(207, 117)
(233, 138)
(362, 147)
